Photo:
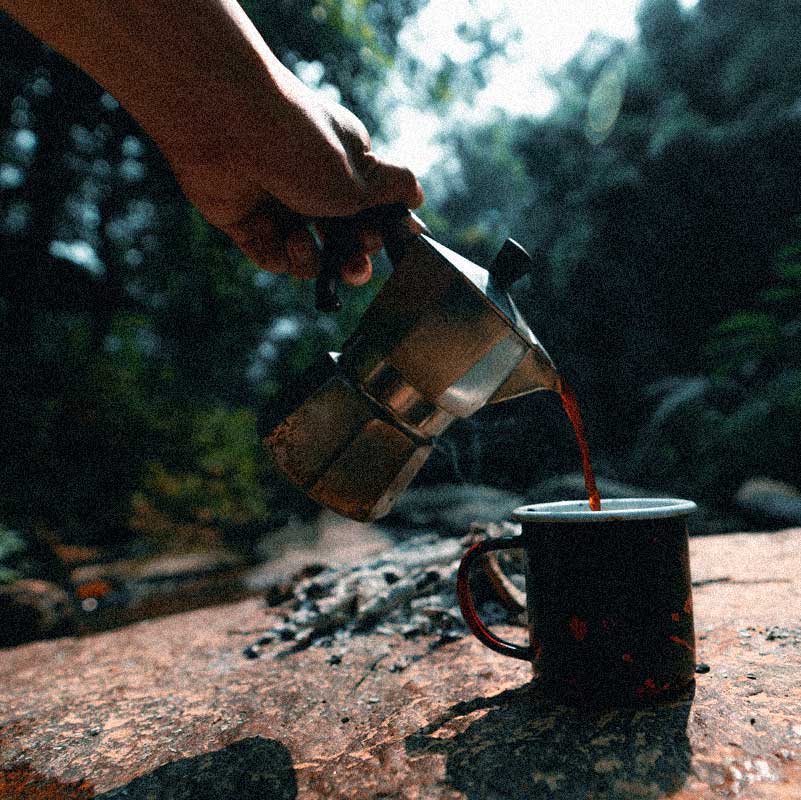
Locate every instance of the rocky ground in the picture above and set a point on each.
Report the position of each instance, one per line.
(182, 707)
(73, 590)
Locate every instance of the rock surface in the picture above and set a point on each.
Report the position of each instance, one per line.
(170, 708)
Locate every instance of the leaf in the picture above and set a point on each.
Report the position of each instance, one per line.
(7, 575)
(676, 392)
(10, 543)
(745, 336)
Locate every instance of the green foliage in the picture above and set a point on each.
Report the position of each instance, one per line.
(460, 78)
(214, 493)
(745, 416)
(11, 544)
(660, 190)
(744, 340)
(476, 202)
(353, 41)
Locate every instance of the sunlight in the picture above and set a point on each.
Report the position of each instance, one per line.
(550, 35)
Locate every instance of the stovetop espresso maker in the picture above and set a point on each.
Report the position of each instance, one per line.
(440, 340)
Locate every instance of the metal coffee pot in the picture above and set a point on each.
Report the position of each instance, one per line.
(440, 340)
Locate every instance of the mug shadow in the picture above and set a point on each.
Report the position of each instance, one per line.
(517, 744)
(250, 769)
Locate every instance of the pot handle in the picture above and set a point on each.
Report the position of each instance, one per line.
(341, 241)
(468, 607)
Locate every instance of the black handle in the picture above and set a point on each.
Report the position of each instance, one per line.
(468, 607)
(511, 263)
(342, 242)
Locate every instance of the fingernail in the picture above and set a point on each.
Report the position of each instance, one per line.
(357, 271)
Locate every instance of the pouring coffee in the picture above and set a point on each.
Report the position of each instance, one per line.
(439, 341)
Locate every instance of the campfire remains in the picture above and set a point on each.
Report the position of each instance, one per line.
(410, 590)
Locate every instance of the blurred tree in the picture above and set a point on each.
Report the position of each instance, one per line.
(347, 44)
(741, 417)
(11, 545)
(660, 188)
(481, 190)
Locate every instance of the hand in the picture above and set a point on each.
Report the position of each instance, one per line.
(292, 161)
(255, 150)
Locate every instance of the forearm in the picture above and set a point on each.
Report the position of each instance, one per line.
(169, 62)
(254, 149)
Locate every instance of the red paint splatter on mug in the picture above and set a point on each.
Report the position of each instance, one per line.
(578, 627)
(683, 643)
(627, 657)
(650, 689)
(675, 616)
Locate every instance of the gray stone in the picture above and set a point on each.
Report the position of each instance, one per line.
(449, 509)
(571, 487)
(770, 503)
(33, 609)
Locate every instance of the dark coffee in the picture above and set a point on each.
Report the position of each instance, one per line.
(570, 404)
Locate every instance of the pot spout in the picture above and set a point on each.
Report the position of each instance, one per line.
(535, 371)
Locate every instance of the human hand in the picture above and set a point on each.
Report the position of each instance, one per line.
(293, 160)
(255, 150)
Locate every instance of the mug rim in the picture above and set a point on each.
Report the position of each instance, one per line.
(615, 509)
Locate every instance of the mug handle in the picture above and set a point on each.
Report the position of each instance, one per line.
(468, 607)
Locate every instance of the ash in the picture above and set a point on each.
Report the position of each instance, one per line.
(410, 590)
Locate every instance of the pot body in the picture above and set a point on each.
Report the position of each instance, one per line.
(438, 342)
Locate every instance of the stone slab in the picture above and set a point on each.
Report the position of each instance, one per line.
(170, 708)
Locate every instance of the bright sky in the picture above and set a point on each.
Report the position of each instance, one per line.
(552, 30)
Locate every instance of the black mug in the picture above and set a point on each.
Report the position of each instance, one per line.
(609, 599)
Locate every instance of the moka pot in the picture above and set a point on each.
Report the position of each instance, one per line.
(440, 340)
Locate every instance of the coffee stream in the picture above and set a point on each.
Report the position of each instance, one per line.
(571, 407)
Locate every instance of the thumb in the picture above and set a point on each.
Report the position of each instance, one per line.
(389, 183)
